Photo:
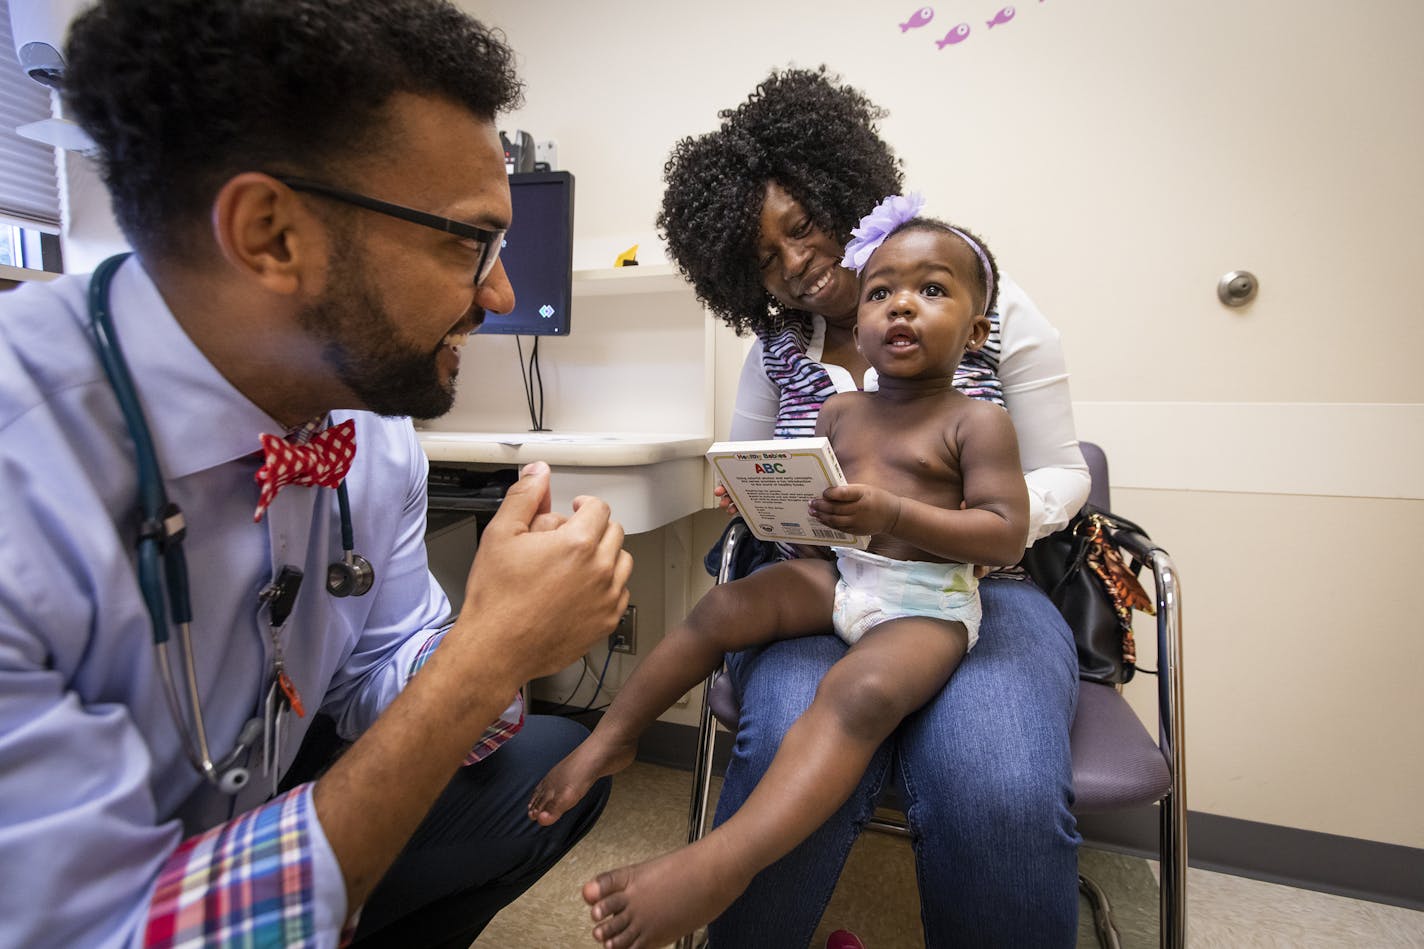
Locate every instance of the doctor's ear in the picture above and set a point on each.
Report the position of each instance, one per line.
(266, 233)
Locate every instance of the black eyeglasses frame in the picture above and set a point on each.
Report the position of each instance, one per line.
(489, 239)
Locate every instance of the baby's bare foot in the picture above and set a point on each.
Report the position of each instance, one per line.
(653, 904)
(569, 780)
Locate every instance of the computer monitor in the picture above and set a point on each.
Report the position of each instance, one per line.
(538, 256)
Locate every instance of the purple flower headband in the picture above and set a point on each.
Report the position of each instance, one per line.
(877, 225)
(889, 214)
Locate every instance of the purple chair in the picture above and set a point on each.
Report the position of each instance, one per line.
(1116, 763)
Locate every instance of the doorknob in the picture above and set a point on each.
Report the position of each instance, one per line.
(1237, 288)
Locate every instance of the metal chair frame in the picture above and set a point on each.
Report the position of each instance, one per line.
(1172, 806)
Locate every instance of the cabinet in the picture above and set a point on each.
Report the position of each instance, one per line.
(628, 395)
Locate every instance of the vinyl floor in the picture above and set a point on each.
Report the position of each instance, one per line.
(876, 898)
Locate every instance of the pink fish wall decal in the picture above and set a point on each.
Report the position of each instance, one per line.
(956, 35)
(1003, 16)
(917, 19)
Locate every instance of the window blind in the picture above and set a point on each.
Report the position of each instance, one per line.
(29, 178)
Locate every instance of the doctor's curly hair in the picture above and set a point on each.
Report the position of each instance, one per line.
(804, 129)
(180, 95)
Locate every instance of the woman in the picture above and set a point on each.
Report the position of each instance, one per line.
(757, 214)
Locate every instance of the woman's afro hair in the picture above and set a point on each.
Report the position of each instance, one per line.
(815, 137)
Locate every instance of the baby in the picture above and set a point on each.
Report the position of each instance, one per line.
(935, 481)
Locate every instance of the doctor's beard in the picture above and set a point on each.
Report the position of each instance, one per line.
(363, 345)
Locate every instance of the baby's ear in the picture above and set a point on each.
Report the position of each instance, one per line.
(979, 334)
(855, 335)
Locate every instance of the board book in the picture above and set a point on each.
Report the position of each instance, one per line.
(772, 481)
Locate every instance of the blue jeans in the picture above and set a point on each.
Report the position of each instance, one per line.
(984, 770)
(477, 850)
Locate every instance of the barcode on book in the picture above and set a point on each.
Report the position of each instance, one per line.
(824, 534)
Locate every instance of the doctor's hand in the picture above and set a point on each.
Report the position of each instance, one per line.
(544, 588)
(545, 518)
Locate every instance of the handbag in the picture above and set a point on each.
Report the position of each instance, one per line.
(751, 552)
(1088, 580)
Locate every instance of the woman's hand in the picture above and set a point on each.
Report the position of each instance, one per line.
(724, 501)
(857, 509)
(980, 571)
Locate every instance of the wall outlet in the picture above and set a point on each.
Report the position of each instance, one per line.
(624, 637)
(547, 153)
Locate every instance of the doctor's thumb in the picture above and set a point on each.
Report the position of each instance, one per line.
(527, 498)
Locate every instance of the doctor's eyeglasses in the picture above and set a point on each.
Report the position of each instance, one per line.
(489, 239)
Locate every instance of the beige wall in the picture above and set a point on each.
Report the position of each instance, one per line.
(1120, 158)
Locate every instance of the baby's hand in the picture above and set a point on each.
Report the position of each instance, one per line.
(724, 501)
(857, 509)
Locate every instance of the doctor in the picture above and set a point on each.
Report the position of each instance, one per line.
(315, 192)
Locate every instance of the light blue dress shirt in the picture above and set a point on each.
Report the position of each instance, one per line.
(95, 788)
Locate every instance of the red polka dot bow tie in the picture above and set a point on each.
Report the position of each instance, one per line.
(323, 461)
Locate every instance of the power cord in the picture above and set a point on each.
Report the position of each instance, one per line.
(599, 686)
(583, 674)
(533, 379)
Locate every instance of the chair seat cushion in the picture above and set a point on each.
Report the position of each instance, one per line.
(723, 701)
(1115, 761)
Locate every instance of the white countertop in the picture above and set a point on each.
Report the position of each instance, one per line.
(648, 478)
(571, 449)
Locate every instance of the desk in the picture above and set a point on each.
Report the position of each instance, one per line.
(649, 479)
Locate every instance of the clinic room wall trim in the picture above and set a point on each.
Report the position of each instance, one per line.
(22, 274)
(1359, 450)
(1291, 856)
(1332, 863)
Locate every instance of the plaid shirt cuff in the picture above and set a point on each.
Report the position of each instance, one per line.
(504, 728)
(248, 882)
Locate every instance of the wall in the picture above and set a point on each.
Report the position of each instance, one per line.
(1120, 158)
(90, 231)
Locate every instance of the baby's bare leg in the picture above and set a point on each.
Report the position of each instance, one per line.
(896, 668)
(782, 601)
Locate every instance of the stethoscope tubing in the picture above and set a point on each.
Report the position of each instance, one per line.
(153, 500)
(160, 551)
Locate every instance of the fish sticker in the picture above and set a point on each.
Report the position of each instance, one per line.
(917, 19)
(956, 35)
(1003, 16)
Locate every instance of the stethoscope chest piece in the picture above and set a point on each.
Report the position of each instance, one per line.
(233, 780)
(350, 576)
(353, 574)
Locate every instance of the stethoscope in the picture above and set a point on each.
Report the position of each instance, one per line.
(161, 562)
